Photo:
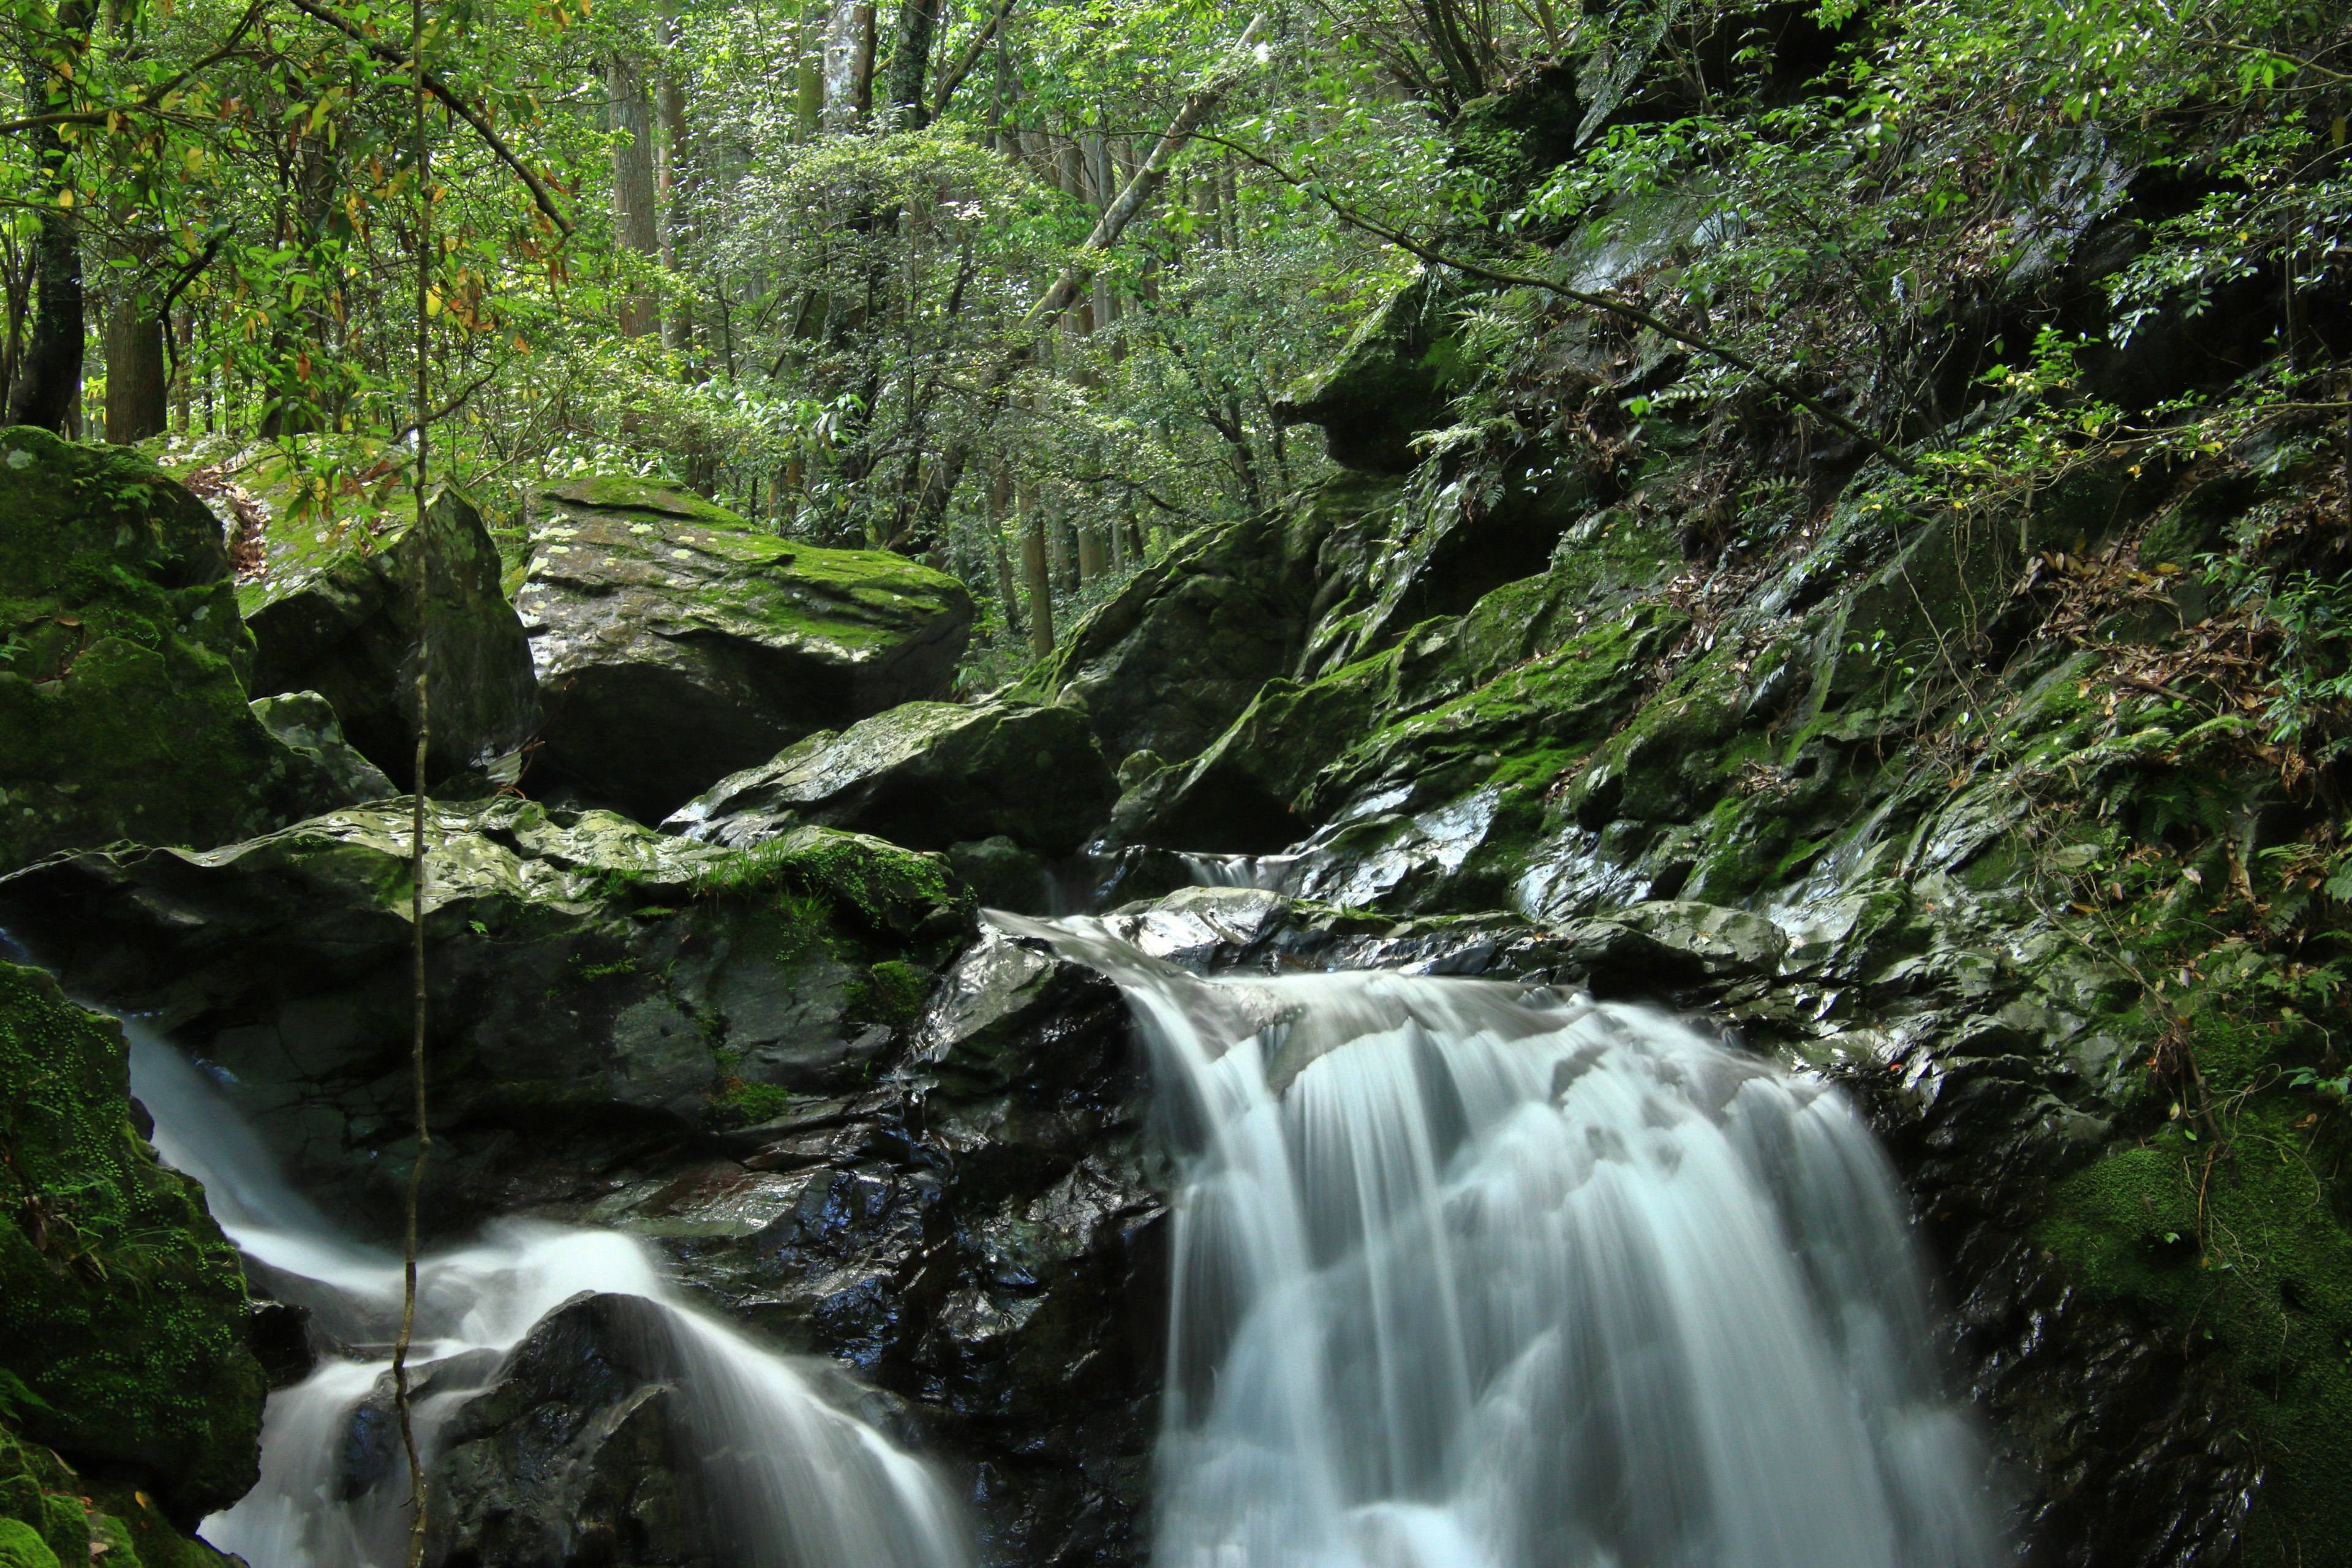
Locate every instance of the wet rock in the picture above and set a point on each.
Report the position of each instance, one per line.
(1002, 875)
(567, 1458)
(678, 645)
(924, 774)
(122, 664)
(1391, 382)
(602, 993)
(1176, 655)
(335, 612)
(123, 1313)
(306, 721)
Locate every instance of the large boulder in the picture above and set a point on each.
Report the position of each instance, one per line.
(123, 1311)
(676, 643)
(1179, 652)
(599, 989)
(924, 774)
(333, 610)
(122, 710)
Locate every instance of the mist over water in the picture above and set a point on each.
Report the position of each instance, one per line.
(785, 1477)
(1470, 1276)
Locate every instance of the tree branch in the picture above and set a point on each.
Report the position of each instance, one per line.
(953, 78)
(150, 102)
(539, 195)
(1620, 307)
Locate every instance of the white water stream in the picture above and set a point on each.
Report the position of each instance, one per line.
(791, 1481)
(1471, 1276)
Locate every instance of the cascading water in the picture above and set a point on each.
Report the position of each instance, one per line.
(788, 1479)
(1470, 1276)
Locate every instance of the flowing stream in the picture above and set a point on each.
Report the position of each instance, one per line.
(784, 1477)
(1471, 1276)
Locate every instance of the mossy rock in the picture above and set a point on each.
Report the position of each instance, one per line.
(335, 612)
(676, 643)
(1173, 659)
(1391, 381)
(599, 989)
(122, 1307)
(924, 774)
(123, 709)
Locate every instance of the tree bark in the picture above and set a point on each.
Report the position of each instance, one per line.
(1008, 592)
(670, 191)
(48, 374)
(635, 215)
(136, 398)
(1041, 582)
(810, 109)
(910, 62)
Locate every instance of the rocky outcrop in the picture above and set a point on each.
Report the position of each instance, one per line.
(123, 702)
(334, 611)
(568, 1458)
(123, 1311)
(1390, 382)
(924, 774)
(1168, 663)
(676, 645)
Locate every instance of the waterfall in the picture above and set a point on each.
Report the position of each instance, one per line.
(786, 1477)
(1467, 1275)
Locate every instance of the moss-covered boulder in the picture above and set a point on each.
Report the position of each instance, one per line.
(676, 643)
(1173, 658)
(308, 722)
(602, 993)
(1391, 382)
(925, 774)
(334, 611)
(52, 1515)
(123, 1311)
(122, 710)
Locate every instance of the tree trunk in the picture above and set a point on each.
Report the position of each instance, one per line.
(810, 109)
(49, 375)
(1041, 582)
(1090, 552)
(136, 396)
(1008, 592)
(670, 190)
(636, 217)
(910, 62)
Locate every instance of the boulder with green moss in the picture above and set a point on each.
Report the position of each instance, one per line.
(676, 643)
(123, 1311)
(334, 610)
(601, 992)
(925, 774)
(122, 663)
(1173, 658)
(308, 722)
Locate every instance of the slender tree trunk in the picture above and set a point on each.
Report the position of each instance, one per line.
(671, 191)
(635, 215)
(1034, 567)
(809, 76)
(136, 396)
(910, 61)
(1008, 592)
(184, 335)
(1090, 552)
(861, 81)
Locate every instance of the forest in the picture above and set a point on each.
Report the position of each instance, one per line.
(1065, 783)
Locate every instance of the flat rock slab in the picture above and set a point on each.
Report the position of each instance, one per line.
(924, 774)
(675, 643)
